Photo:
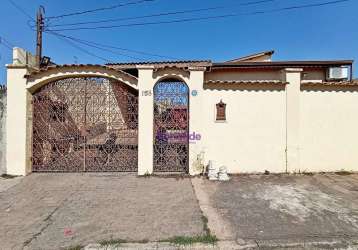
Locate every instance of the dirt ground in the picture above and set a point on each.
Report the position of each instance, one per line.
(261, 209)
(53, 211)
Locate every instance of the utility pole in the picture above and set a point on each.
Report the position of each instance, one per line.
(39, 30)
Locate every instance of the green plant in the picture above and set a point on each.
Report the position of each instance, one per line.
(343, 172)
(205, 226)
(114, 242)
(143, 241)
(206, 238)
(77, 247)
(147, 174)
(186, 240)
(307, 173)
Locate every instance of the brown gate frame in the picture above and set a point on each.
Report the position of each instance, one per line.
(165, 166)
(107, 150)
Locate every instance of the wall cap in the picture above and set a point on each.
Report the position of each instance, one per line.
(197, 68)
(292, 70)
(145, 67)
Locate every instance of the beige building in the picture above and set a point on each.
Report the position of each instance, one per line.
(250, 114)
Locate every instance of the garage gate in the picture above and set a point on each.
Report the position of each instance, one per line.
(85, 124)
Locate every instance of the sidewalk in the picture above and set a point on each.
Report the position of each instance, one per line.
(282, 210)
(66, 211)
(58, 211)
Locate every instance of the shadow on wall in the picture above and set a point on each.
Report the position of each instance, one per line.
(245, 86)
(2, 129)
(327, 88)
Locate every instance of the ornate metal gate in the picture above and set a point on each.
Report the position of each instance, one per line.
(171, 127)
(85, 124)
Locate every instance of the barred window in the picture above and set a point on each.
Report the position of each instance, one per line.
(221, 111)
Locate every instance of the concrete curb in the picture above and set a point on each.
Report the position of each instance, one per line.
(348, 244)
(229, 245)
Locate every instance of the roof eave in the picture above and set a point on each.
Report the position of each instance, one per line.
(283, 64)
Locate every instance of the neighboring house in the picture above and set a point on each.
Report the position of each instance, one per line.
(250, 114)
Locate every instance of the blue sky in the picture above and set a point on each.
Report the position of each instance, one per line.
(321, 33)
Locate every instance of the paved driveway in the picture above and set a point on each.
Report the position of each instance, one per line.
(261, 210)
(53, 211)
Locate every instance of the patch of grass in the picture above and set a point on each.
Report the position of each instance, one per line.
(7, 176)
(205, 227)
(307, 173)
(343, 172)
(112, 242)
(143, 241)
(185, 240)
(147, 174)
(77, 247)
(207, 238)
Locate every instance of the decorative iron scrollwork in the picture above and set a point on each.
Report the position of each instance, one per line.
(171, 127)
(85, 124)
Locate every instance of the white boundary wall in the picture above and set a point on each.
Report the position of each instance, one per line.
(329, 130)
(253, 137)
(268, 127)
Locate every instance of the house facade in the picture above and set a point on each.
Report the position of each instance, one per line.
(250, 114)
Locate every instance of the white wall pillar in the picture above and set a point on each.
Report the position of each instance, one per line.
(18, 121)
(293, 77)
(145, 120)
(196, 110)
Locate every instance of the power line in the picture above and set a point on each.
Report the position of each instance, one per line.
(21, 9)
(97, 47)
(205, 18)
(115, 47)
(6, 43)
(161, 14)
(81, 49)
(100, 9)
(137, 17)
(2, 39)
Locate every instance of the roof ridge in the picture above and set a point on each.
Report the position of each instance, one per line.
(252, 56)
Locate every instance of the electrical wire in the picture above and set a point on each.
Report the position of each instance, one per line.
(114, 47)
(100, 9)
(21, 9)
(170, 13)
(98, 47)
(2, 39)
(7, 46)
(6, 43)
(205, 18)
(81, 49)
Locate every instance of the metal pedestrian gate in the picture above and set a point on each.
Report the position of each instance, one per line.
(171, 127)
(85, 124)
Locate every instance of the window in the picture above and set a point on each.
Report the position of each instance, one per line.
(221, 111)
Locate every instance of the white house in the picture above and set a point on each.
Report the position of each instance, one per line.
(250, 114)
